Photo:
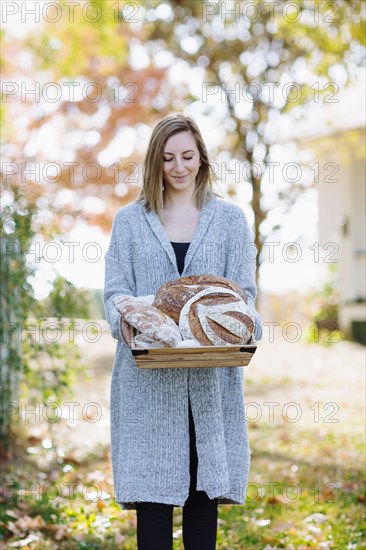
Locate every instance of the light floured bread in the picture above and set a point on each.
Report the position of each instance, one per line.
(144, 342)
(188, 344)
(126, 329)
(148, 320)
(216, 316)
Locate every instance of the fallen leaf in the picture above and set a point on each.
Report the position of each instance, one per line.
(23, 543)
(58, 530)
(26, 523)
(177, 533)
(12, 513)
(314, 529)
(283, 526)
(12, 526)
(277, 499)
(317, 517)
(61, 532)
(349, 487)
(262, 522)
(74, 457)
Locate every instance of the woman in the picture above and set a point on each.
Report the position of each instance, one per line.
(179, 435)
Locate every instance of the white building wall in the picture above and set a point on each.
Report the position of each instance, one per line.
(358, 226)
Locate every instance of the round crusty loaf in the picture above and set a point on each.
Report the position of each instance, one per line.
(171, 296)
(216, 316)
(149, 320)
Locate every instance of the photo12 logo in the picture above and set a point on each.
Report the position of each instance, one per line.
(71, 11)
(251, 11)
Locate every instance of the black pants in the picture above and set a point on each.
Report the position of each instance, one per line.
(155, 521)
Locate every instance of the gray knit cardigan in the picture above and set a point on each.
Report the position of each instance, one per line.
(149, 407)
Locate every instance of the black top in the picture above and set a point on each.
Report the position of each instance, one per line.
(180, 250)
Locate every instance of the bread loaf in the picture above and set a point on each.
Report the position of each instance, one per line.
(171, 296)
(206, 309)
(216, 316)
(144, 342)
(126, 329)
(149, 320)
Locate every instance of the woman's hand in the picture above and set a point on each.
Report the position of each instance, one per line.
(126, 331)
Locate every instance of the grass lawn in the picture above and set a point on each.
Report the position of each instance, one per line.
(305, 411)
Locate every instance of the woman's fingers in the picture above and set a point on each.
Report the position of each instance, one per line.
(127, 332)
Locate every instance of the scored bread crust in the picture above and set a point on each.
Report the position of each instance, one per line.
(226, 305)
(171, 296)
(227, 336)
(193, 319)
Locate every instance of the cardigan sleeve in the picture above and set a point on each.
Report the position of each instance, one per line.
(242, 265)
(118, 272)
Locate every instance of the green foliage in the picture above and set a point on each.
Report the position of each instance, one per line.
(359, 331)
(36, 363)
(65, 300)
(323, 336)
(325, 330)
(49, 369)
(237, 50)
(16, 297)
(328, 296)
(96, 303)
(92, 33)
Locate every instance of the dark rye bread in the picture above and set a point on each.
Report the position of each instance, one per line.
(171, 296)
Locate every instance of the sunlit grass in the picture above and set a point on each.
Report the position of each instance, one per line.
(306, 487)
(305, 491)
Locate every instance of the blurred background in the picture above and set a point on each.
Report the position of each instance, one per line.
(278, 91)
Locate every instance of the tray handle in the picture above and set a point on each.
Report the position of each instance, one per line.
(139, 352)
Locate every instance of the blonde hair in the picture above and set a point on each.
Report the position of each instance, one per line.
(152, 188)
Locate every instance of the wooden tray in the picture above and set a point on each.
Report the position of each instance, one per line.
(203, 356)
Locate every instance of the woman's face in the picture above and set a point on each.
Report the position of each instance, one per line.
(181, 162)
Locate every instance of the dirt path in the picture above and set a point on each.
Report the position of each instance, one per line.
(310, 383)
